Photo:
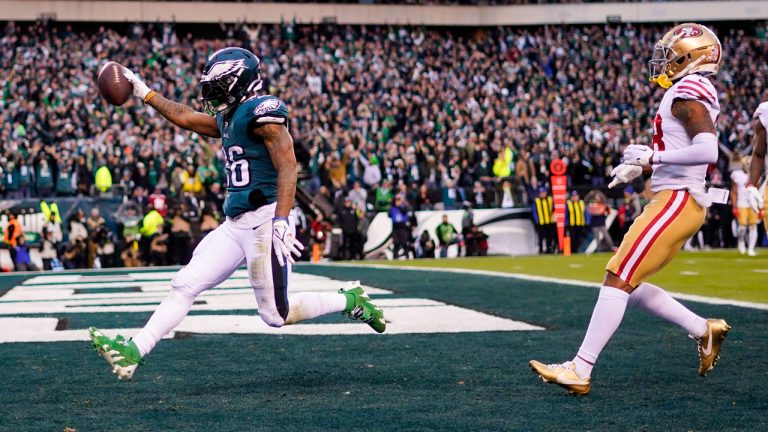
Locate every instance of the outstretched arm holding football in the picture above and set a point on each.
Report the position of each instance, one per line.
(179, 114)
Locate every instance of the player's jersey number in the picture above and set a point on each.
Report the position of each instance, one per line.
(238, 173)
(658, 134)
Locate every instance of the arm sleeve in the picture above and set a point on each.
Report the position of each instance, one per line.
(703, 150)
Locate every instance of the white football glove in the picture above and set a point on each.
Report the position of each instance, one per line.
(754, 198)
(639, 155)
(140, 89)
(624, 174)
(284, 243)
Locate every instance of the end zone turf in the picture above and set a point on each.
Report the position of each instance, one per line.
(646, 378)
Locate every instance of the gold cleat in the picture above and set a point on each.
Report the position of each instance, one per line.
(564, 375)
(709, 344)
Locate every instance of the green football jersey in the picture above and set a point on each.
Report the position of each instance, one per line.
(251, 175)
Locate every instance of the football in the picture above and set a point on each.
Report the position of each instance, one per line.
(113, 85)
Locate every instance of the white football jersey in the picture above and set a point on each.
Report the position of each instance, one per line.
(762, 113)
(669, 134)
(740, 179)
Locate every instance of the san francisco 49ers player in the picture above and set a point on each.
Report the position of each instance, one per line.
(684, 142)
(758, 165)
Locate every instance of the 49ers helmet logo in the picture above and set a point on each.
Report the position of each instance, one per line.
(686, 32)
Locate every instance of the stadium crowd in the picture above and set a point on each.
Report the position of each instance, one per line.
(437, 118)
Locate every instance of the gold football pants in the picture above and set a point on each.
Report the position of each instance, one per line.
(656, 236)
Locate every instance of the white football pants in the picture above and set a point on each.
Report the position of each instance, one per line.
(246, 239)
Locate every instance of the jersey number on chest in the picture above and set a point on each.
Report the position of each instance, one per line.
(238, 172)
(658, 134)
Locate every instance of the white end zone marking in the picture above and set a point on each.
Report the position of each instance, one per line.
(52, 295)
(574, 282)
(405, 316)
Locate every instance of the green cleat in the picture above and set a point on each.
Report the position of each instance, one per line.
(360, 307)
(123, 355)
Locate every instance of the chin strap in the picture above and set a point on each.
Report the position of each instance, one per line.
(662, 80)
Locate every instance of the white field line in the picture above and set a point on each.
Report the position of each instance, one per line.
(574, 282)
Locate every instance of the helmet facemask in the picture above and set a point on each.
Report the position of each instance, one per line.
(662, 56)
(222, 92)
(215, 94)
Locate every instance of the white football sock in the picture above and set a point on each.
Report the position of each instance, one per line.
(656, 301)
(752, 238)
(167, 316)
(606, 317)
(307, 305)
(741, 233)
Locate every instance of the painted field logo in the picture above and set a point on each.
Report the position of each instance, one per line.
(61, 295)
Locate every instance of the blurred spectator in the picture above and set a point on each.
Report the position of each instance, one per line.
(48, 251)
(476, 242)
(507, 199)
(598, 212)
(65, 182)
(349, 223)
(467, 222)
(158, 248)
(22, 260)
(320, 229)
(73, 256)
(158, 201)
(130, 254)
(446, 236)
(383, 197)
(12, 232)
(95, 220)
(208, 222)
(426, 245)
(180, 241)
(359, 196)
(77, 230)
(631, 209)
(401, 228)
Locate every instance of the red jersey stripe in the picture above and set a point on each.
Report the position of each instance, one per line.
(704, 89)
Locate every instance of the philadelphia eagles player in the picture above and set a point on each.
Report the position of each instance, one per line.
(261, 184)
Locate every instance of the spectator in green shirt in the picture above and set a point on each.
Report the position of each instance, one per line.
(446, 236)
(384, 195)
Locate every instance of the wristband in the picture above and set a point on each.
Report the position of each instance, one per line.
(149, 96)
(279, 218)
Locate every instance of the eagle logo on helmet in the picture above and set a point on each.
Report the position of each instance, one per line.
(224, 68)
(686, 32)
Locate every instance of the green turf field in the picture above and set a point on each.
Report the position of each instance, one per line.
(724, 274)
(646, 379)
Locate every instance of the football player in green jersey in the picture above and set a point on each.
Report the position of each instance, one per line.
(261, 185)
